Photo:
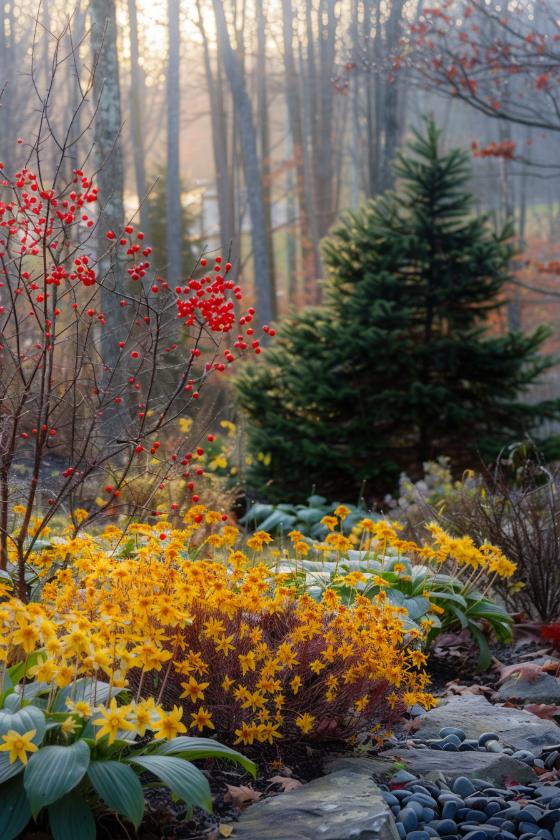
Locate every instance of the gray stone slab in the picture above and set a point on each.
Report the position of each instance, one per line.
(496, 768)
(474, 714)
(544, 689)
(341, 806)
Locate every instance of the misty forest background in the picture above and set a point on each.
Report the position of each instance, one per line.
(245, 127)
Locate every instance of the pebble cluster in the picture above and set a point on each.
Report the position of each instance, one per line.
(453, 739)
(473, 809)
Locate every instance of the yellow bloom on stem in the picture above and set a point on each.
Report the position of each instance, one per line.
(113, 718)
(27, 636)
(342, 512)
(169, 724)
(305, 723)
(201, 719)
(193, 689)
(18, 745)
(68, 726)
(296, 684)
(142, 718)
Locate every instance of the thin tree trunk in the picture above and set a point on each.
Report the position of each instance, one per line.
(172, 180)
(223, 176)
(265, 292)
(137, 92)
(308, 241)
(264, 130)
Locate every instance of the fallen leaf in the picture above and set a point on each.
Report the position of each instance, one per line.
(529, 670)
(543, 710)
(241, 796)
(285, 783)
(225, 830)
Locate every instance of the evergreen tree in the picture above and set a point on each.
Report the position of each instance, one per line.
(399, 365)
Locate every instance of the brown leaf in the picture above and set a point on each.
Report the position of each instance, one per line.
(543, 710)
(241, 796)
(285, 783)
(523, 669)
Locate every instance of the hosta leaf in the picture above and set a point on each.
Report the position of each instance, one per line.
(181, 777)
(194, 748)
(71, 819)
(119, 787)
(15, 812)
(23, 720)
(53, 772)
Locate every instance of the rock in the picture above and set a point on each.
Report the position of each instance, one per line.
(402, 777)
(542, 689)
(493, 746)
(452, 730)
(344, 805)
(514, 727)
(493, 768)
(487, 737)
(463, 786)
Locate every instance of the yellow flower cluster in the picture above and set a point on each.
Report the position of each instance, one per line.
(217, 637)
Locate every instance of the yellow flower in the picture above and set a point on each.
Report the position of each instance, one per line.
(112, 720)
(305, 723)
(330, 521)
(169, 724)
(19, 745)
(201, 719)
(193, 689)
(80, 708)
(342, 512)
(296, 684)
(27, 636)
(227, 683)
(142, 718)
(68, 726)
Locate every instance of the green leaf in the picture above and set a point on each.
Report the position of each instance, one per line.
(23, 720)
(119, 787)
(71, 819)
(53, 772)
(484, 655)
(15, 812)
(195, 748)
(181, 777)
(18, 670)
(85, 689)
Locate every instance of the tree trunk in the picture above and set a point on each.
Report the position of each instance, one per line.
(308, 241)
(265, 293)
(137, 92)
(111, 267)
(172, 180)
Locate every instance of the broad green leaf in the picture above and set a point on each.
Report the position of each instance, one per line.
(71, 819)
(277, 519)
(448, 596)
(194, 748)
(119, 787)
(23, 720)
(257, 513)
(85, 689)
(417, 607)
(181, 777)
(15, 812)
(53, 772)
